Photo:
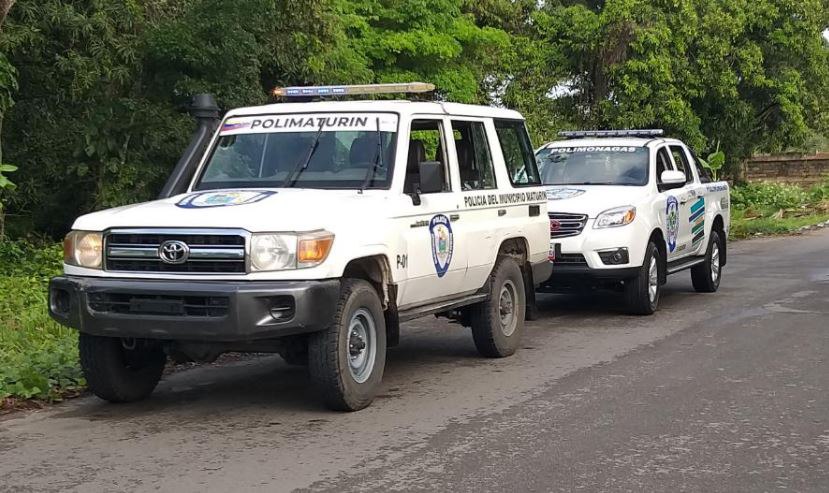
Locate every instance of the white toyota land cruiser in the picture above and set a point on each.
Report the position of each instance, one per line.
(313, 229)
(629, 207)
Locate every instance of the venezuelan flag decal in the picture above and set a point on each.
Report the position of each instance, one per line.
(697, 220)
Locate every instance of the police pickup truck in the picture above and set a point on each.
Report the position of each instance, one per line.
(312, 229)
(629, 207)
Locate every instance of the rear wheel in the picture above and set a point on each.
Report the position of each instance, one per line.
(498, 323)
(642, 292)
(706, 276)
(346, 360)
(121, 370)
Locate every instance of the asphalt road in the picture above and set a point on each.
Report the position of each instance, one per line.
(724, 392)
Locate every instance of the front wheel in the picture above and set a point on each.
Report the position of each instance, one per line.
(121, 370)
(642, 292)
(498, 323)
(706, 276)
(346, 360)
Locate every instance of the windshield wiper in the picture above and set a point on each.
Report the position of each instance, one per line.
(301, 165)
(378, 159)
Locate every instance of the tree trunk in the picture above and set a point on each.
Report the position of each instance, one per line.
(5, 6)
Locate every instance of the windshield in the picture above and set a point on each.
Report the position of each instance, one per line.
(593, 165)
(338, 150)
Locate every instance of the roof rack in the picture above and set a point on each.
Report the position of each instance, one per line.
(578, 134)
(352, 90)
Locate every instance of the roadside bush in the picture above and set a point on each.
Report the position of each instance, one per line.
(776, 195)
(38, 358)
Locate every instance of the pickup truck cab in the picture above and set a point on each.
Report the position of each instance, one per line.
(312, 229)
(626, 209)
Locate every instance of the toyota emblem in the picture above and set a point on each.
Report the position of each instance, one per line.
(555, 225)
(173, 252)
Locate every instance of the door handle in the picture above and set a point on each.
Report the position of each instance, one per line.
(454, 217)
(502, 212)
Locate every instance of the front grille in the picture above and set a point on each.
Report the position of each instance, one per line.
(563, 225)
(209, 253)
(570, 259)
(138, 304)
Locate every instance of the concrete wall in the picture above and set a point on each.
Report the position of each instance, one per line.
(795, 169)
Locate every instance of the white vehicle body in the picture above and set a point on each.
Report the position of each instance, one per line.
(368, 223)
(312, 229)
(578, 243)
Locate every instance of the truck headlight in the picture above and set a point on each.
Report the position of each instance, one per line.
(613, 218)
(83, 249)
(272, 251)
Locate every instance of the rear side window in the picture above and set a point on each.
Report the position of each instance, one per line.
(474, 161)
(518, 152)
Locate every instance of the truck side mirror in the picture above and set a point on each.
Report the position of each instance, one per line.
(431, 176)
(672, 179)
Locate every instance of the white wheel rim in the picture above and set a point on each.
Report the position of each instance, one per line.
(362, 345)
(715, 263)
(653, 280)
(506, 308)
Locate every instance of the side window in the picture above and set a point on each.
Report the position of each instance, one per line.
(703, 172)
(425, 144)
(474, 159)
(663, 163)
(682, 164)
(518, 152)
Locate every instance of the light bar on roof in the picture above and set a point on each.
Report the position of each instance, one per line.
(576, 134)
(355, 90)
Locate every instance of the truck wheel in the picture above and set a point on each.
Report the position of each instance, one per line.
(346, 359)
(642, 292)
(498, 323)
(706, 276)
(121, 370)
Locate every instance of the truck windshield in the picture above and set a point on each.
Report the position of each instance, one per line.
(335, 150)
(594, 165)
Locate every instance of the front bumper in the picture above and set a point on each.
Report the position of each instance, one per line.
(229, 311)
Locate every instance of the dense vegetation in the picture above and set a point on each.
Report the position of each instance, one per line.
(93, 96)
(99, 87)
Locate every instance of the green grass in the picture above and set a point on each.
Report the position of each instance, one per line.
(770, 208)
(38, 358)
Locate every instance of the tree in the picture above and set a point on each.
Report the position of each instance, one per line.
(753, 74)
(8, 85)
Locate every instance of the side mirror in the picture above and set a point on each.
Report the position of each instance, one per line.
(672, 179)
(431, 177)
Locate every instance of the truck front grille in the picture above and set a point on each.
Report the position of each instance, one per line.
(197, 252)
(563, 225)
(575, 259)
(172, 306)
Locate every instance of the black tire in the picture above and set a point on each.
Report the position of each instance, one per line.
(498, 322)
(638, 295)
(295, 352)
(121, 370)
(704, 277)
(330, 351)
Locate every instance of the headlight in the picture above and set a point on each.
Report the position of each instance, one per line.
(83, 249)
(271, 252)
(613, 218)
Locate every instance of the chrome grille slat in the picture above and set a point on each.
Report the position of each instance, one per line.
(210, 252)
(567, 224)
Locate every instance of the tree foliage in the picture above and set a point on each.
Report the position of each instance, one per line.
(101, 87)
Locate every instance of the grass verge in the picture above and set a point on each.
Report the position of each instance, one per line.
(38, 357)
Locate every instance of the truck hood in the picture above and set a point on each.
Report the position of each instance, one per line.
(252, 210)
(592, 199)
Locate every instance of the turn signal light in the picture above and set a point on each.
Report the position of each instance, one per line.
(313, 250)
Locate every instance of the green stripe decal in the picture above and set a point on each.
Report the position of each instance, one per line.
(699, 204)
